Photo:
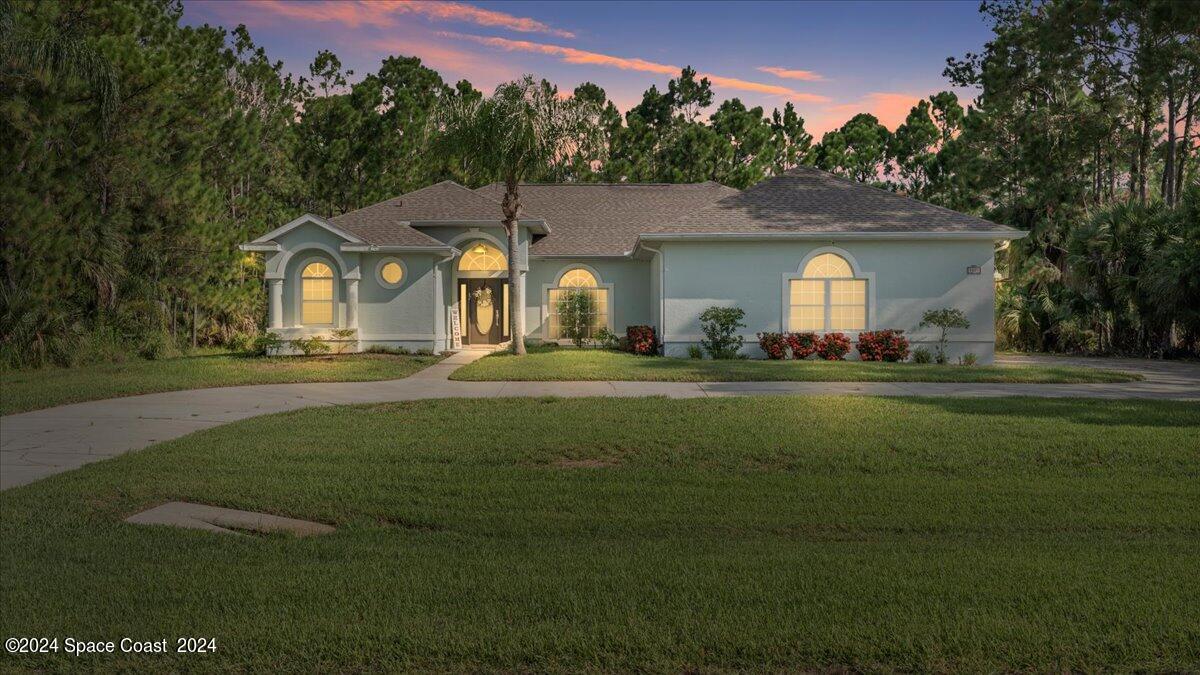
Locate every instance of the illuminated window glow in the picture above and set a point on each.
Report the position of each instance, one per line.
(482, 257)
(829, 298)
(578, 279)
(391, 273)
(316, 295)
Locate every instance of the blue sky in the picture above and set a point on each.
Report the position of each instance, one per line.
(831, 60)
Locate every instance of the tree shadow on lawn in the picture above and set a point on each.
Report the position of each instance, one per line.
(1098, 412)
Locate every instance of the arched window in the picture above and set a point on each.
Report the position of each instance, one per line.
(577, 280)
(482, 257)
(316, 295)
(828, 298)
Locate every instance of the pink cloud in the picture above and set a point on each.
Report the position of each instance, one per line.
(484, 73)
(382, 14)
(787, 74)
(890, 108)
(582, 57)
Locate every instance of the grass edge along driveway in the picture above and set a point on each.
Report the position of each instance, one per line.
(34, 389)
(855, 533)
(551, 364)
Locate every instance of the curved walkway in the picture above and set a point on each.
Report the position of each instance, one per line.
(41, 443)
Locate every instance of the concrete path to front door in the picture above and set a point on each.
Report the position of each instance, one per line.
(41, 443)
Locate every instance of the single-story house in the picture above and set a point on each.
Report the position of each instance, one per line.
(802, 251)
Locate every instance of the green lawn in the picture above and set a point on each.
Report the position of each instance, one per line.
(42, 388)
(548, 363)
(638, 534)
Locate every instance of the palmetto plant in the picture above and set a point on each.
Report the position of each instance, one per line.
(517, 133)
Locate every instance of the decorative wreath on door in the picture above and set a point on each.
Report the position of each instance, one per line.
(483, 296)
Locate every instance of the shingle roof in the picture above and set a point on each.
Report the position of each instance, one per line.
(805, 199)
(385, 223)
(606, 218)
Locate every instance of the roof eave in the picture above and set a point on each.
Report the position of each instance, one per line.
(987, 235)
(396, 248)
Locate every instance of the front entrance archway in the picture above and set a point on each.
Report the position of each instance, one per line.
(482, 294)
(485, 310)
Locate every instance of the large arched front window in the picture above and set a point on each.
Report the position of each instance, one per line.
(577, 280)
(316, 295)
(828, 297)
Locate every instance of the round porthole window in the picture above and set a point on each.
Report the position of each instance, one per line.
(390, 272)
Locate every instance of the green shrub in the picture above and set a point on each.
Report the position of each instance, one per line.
(968, 359)
(922, 355)
(239, 342)
(608, 339)
(424, 352)
(384, 349)
(720, 326)
(266, 344)
(157, 345)
(695, 352)
(576, 310)
(310, 346)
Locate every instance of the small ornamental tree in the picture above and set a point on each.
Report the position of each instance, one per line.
(945, 319)
(575, 311)
(803, 345)
(720, 326)
(774, 344)
(834, 347)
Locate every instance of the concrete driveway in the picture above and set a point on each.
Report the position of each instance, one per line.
(41, 443)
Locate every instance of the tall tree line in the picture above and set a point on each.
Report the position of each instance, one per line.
(139, 152)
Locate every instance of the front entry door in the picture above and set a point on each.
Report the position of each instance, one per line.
(484, 318)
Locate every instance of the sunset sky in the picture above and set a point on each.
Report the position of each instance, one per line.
(831, 60)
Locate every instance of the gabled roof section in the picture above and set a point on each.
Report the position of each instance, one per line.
(807, 200)
(604, 219)
(391, 222)
(269, 238)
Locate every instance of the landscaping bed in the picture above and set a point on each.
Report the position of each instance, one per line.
(47, 387)
(554, 363)
(782, 533)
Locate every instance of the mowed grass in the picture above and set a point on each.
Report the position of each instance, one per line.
(549, 363)
(638, 534)
(46, 387)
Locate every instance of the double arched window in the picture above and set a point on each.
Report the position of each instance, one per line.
(578, 280)
(828, 297)
(316, 295)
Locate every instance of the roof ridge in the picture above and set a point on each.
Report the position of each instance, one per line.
(901, 195)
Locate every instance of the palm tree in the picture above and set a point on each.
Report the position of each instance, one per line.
(59, 51)
(517, 133)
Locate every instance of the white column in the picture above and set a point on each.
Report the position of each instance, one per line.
(275, 315)
(352, 303)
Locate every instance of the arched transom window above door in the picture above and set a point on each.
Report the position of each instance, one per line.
(828, 297)
(481, 256)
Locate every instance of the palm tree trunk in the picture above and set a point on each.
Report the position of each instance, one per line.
(516, 315)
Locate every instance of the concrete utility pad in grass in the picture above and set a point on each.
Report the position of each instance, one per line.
(225, 521)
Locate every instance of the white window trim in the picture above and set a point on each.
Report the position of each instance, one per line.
(298, 294)
(788, 277)
(379, 272)
(546, 288)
